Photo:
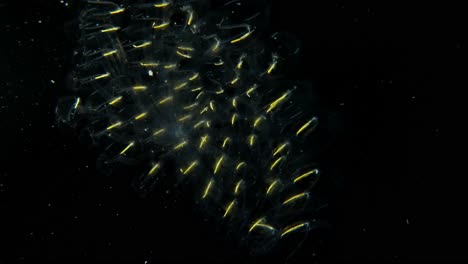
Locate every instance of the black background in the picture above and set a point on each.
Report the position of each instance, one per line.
(373, 68)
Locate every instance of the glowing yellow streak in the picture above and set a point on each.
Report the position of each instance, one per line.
(170, 66)
(116, 100)
(236, 190)
(127, 148)
(251, 90)
(117, 11)
(293, 228)
(110, 29)
(295, 197)
(161, 5)
(257, 121)
(240, 165)
(199, 124)
(183, 55)
(182, 119)
(155, 167)
(219, 63)
(180, 86)
(181, 145)
(190, 106)
(215, 46)
(276, 162)
(235, 80)
(251, 140)
(199, 94)
(77, 103)
(305, 175)
(228, 209)
(259, 221)
(220, 91)
(226, 140)
(218, 163)
(266, 226)
(196, 89)
(207, 123)
(207, 189)
(203, 140)
(275, 103)
(194, 77)
(270, 188)
(272, 66)
(234, 102)
(233, 119)
(149, 64)
(114, 125)
(102, 76)
(241, 62)
(190, 167)
(279, 149)
(109, 53)
(204, 110)
(241, 37)
(169, 98)
(186, 48)
(160, 131)
(189, 22)
(305, 126)
(142, 45)
(160, 26)
(140, 116)
(139, 88)
(212, 106)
